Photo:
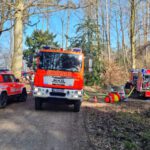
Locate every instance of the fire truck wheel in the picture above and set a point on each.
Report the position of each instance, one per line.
(3, 100)
(38, 104)
(77, 106)
(23, 96)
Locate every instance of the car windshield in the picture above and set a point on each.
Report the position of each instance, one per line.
(8, 78)
(60, 61)
(147, 78)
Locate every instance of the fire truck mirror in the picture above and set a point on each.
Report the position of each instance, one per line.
(37, 55)
(35, 67)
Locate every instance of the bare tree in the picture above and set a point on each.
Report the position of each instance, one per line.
(97, 25)
(123, 36)
(108, 31)
(146, 20)
(18, 38)
(117, 32)
(68, 23)
(132, 33)
(103, 26)
(5, 15)
(62, 34)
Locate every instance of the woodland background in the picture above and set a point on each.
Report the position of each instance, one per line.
(114, 33)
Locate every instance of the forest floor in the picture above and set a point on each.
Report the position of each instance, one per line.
(123, 125)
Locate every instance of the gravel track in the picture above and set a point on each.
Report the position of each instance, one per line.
(54, 128)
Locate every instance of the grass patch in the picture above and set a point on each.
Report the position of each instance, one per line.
(89, 93)
(129, 145)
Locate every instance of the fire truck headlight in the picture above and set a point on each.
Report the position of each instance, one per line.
(39, 93)
(79, 92)
(75, 94)
(80, 57)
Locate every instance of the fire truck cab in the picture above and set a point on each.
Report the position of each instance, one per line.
(59, 77)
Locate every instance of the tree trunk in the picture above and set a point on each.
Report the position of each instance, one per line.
(132, 34)
(68, 23)
(2, 15)
(62, 34)
(145, 22)
(18, 38)
(103, 29)
(123, 38)
(97, 27)
(108, 32)
(117, 33)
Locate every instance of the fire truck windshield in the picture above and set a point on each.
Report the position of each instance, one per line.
(60, 61)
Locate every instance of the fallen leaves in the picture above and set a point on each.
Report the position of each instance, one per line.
(111, 128)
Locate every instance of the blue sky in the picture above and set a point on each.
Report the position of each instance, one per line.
(55, 24)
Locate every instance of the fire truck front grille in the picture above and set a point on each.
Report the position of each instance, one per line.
(57, 94)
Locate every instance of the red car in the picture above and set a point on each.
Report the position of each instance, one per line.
(10, 87)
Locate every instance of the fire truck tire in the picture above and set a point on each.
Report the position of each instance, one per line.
(77, 106)
(38, 104)
(23, 96)
(3, 100)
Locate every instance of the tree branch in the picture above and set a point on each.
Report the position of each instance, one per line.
(31, 25)
(7, 29)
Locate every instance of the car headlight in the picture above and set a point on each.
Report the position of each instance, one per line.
(36, 89)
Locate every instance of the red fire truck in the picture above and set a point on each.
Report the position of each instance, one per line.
(59, 77)
(140, 79)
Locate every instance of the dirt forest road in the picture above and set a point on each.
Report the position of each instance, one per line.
(54, 128)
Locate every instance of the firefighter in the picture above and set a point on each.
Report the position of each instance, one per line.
(128, 87)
